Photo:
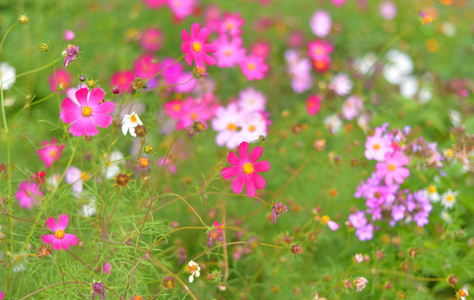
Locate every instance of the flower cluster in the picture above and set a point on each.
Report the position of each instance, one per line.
(191, 110)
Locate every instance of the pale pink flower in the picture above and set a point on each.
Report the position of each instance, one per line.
(229, 53)
(252, 100)
(253, 67)
(387, 10)
(360, 283)
(352, 107)
(341, 84)
(151, 39)
(60, 239)
(228, 125)
(377, 146)
(232, 24)
(392, 169)
(181, 8)
(69, 35)
(28, 194)
(320, 23)
(50, 152)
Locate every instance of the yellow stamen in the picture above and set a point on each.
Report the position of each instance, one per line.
(251, 66)
(176, 107)
(86, 111)
(52, 153)
(144, 162)
(248, 168)
(231, 127)
(376, 146)
(252, 128)
(84, 176)
(431, 189)
(197, 46)
(193, 116)
(450, 198)
(133, 118)
(59, 234)
(325, 219)
(391, 167)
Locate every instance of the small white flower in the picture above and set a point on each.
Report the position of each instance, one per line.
(358, 258)
(341, 84)
(89, 209)
(194, 270)
(7, 75)
(455, 117)
(129, 123)
(360, 283)
(446, 216)
(333, 123)
(463, 293)
(112, 167)
(449, 198)
(432, 193)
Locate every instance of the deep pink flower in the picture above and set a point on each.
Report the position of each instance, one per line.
(218, 226)
(146, 66)
(313, 104)
(27, 194)
(232, 24)
(107, 268)
(62, 80)
(151, 39)
(253, 67)
(123, 80)
(59, 239)
(261, 49)
(69, 35)
(392, 169)
(50, 152)
(246, 168)
(319, 49)
(87, 112)
(322, 64)
(196, 48)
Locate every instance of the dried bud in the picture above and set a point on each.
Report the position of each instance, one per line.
(198, 127)
(43, 251)
(82, 78)
(90, 84)
(140, 130)
(44, 47)
(139, 84)
(452, 280)
(348, 284)
(122, 180)
(296, 249)
(115, 90)
(23, 19)
(199, 72)
(148, 149)
(261, 138)
(413, 252)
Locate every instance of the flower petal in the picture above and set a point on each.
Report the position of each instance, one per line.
(258, 180)
(77, 129)
(105, 108)
(48, 238)
(238, 183)
(81, 96)
(244, 152)
(71, 238)
(250, 186)
(56, 244)
(90, 128)
(63, 220)
(97, 94)
(102, 120)
(262, 166)
(231, 172)
(195, 31)
(234, 160)
(51, 222)
(255, 154)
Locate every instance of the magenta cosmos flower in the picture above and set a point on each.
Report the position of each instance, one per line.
(392, 169)
(50, 152)
(28, 193)
(246, 169)
(87, 113)
(195, 46)
(59, 239)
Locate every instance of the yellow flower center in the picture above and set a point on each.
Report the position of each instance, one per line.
(251, 66)
(84, 176)
(133, 118)
(231, 127)
(197, 46)
(228, 53)
(450, 198)
(230, 26)
(431, 189)
(144, 162)
(86, 111)
(248, 168)
(462, 293)
(325, 219)
(376, 146)
(192, 269)
(319, 64)
(391, 167)
(59, 234)
(52, 153)
(252, 128)
(193, 116)
(319, 50)
(176, 107)
(449, 152)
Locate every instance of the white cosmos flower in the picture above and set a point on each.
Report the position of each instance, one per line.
(449, 198)
(333, 123)
(112, 167)
(194, 270)
(7, 75)
(129, 123)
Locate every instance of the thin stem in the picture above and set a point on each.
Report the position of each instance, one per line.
(226, 259)
(5, 36)
(18, 218)
(39, 69)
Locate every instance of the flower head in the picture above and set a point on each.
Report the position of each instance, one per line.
(313, 104)
(98, 289)
(71, 54)
(129, 122)
(28, 194)
(7, 75)
(60, 239)
(246, 169)
(87, 113)
(253, 67)
(278, 208)
(360, 283)
(107, 268)
(50, 152)
(193, 269)
(320, 23)
(195, 46)
(449, 198)
(392, 169)
(69, 35)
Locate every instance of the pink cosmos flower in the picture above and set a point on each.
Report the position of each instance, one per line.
(87, 113)
(154, 4)
(170, 165)
(319, 49)
(146, 66)
(107, 268)
(228, 124)
(252, 100)
(253, 67)
(62, 80)
(341, 84)
(321, 64)
(313, 104)
(377, 146)
(352, 107)
(320, 23)
(59, 239)
(231, 24)
(50, 152)
(339, 3)
(387, 10)
(196, 48)
(218, 226)
(2, 295)
(246, 169)
(181, 8)
(229, 53)
(27, 194)
(392, 169)
(151, 39)
(261, 49)
(123, 80)
(212, 15)
(69, 35)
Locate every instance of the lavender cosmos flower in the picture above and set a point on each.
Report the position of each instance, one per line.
(277, 209)
(71, 55)
(98, 289)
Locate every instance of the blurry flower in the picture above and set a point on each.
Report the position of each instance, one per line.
(339, 3)
(69, 35)
(60, 81)
(50, 152)
(229, 52)
(320, 23)
(398, 66)
(193, 269)
(331, 224)
(129, 122)
(181, 8)
(90, 112)
(319, 49)
(169, 164)
(112, 168)
(75, 177)
(28, 194)
(333, 123)
(358, 258)
(246, 169)
(341, 84)
(387, 10)
(232, 24)
(98, 289)
(409, 86)
(23, 19)
(89, 209)
(377, 146)
(360, 283)
(71, 54)
(122, 180)
(39, 177)
(296, 249)
(154, 4)
(123, 81)
(352, 107)
(278, 208)
(252, 100)
(425, 18)
(253, 67)
(7, 75)
(462, 293)
(446, 216)
(449, 198)
(299, 70)
(169, 282)
(448, 29)
(107, 268)
(313, 104)
(59, 239)
(455, 117)
(228, 124)
(151, 39)
(392, 169)
(432, 193)
(43, 250)
(195, 46)
(364, 64)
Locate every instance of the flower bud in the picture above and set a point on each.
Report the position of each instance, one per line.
(23, 19)
(44, 47)
(148, 149)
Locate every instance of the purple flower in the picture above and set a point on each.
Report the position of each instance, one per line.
(365, 233)
(98, 289)
(71, 54)
(358, 219)
(277, 209)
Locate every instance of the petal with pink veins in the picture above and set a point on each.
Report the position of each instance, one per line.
(63, 220)
(81, 96)
(48, 238)
(262, 166)
(51, 222)
(250, 186)
(231, 172)
(238, 183)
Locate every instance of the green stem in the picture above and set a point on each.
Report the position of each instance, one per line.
(39, 69)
